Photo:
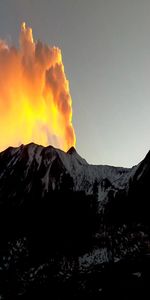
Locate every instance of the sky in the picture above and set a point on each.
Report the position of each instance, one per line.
(106, 53)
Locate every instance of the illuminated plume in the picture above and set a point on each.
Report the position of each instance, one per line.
(35, 102)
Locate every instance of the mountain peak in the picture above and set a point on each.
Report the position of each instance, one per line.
(72, 150)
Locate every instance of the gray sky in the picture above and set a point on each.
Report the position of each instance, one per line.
(106, 53)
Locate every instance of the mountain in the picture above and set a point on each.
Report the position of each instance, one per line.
(72, 230)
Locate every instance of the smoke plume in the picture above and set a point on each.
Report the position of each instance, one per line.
(35, 101)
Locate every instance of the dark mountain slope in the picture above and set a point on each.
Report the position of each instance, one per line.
(72, 230)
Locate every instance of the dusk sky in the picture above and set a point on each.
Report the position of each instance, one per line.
(106, 53)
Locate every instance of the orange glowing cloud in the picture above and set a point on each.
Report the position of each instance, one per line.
(35, 101)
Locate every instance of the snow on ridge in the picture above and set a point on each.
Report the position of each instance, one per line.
(84, 175)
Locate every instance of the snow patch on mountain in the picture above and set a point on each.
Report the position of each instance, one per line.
(51, 164)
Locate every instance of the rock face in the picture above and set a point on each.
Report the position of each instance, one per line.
(70, 230)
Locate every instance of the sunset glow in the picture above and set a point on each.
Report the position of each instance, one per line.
(35, 101)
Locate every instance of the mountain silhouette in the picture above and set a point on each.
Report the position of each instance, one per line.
(72, 230)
